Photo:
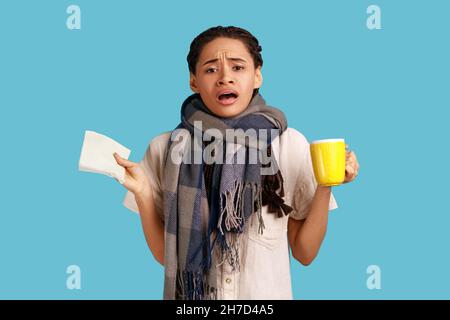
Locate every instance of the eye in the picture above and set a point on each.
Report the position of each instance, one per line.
(239, 67)
(209, 70)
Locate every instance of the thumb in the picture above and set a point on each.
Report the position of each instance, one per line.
(349, 169)
(122, 161)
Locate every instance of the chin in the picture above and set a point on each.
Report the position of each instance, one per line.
(228, 112)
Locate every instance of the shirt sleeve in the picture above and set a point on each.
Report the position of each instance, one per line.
(306, 184)
(152, 165)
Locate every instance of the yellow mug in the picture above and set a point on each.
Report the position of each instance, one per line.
(328, 159)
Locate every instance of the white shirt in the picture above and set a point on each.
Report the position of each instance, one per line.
(265, 269)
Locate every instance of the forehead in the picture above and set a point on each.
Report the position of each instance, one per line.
(224, 47)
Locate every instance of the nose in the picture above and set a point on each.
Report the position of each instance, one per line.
(224, 77)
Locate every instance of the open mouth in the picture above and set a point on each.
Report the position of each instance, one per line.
(227, 98)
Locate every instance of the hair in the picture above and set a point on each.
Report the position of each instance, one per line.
(250, 42)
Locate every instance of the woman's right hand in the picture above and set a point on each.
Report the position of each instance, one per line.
(135, 178)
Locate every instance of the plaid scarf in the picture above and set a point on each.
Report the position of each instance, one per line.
(201, 213)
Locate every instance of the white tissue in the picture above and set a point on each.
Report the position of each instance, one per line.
(97, 155)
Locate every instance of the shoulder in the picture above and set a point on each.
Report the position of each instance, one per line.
(292, 137)
(293, 155)
(161, 139)
(158, 144)
(156, 149)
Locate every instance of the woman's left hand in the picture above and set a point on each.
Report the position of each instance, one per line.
(351, 165)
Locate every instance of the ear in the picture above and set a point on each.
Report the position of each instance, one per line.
(193, 83)
(258, 78)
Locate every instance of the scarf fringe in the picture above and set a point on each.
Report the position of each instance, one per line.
(193, 285)
(232, 219)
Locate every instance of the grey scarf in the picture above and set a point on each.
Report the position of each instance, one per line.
(197, 220)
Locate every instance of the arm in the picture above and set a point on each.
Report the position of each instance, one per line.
(152, 225)
(306, 236)
(136, 182)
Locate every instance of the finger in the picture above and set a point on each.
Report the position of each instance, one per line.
(348, 158)
(349, 170)
(350, 178)
(354, 160)
(351, 162)
(348, 154)
(122, 161)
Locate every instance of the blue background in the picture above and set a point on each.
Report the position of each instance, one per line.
(124, 74)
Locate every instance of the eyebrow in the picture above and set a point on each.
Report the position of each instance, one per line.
(232, 59)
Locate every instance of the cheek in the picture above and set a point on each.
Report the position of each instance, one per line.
(252, 81)
(209, 86)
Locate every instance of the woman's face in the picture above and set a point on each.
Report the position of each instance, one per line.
(225, 66)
